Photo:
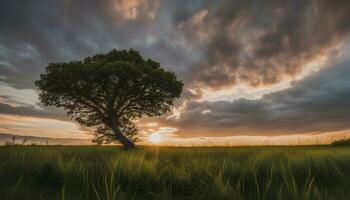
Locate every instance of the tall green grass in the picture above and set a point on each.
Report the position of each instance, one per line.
(92, 172)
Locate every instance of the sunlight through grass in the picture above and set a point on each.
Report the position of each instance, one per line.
(174, 173)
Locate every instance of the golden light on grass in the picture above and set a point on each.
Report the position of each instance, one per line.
(155, 138)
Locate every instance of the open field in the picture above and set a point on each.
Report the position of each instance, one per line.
(93, 172)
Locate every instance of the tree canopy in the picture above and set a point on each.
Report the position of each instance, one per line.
(109, 91)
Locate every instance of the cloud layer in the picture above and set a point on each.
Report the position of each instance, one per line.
(213, 45)
(261, 42)
(319, 103)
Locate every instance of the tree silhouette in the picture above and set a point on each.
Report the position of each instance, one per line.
(109, 91)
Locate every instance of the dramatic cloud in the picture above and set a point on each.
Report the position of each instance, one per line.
(233, 56)
(208, 43)
(133, 9)
(260, 42)
(38, 32)
(317, 104)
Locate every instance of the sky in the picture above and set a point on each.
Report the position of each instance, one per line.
(255, 72)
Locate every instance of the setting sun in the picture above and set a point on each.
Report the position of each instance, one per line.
(155, 138)
(164, 99)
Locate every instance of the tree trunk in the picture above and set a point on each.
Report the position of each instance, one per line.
(121, 138)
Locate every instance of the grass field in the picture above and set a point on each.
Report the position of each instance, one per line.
(93, 172)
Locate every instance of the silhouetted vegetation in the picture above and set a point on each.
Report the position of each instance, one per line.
(109, 91)
(14, 141)
(100, 172)
(342, 142)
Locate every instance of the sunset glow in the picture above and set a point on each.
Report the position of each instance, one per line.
(155, 138)
(251, 71)
(167, 99)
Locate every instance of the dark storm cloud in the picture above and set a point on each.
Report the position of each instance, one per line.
(260, 42)
(207, 43)
(38, 32)
(210, 43)
(317, 104)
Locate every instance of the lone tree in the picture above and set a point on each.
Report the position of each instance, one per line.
(109, 91)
